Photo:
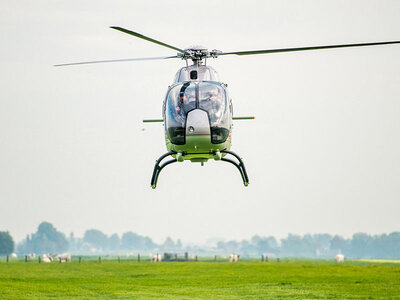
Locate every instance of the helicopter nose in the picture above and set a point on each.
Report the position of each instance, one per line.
(197, 123)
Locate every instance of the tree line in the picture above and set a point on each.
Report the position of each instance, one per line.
(47, 239)
(360, 245)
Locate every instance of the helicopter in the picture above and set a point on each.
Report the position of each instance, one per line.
(197, 110)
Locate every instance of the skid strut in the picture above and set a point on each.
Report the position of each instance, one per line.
(240, 166)
(157, 167)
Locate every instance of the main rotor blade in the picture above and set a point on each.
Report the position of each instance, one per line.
(115, 60)
(306, 48)
(145, 38)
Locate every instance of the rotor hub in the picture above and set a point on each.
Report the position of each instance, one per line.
(198, 53)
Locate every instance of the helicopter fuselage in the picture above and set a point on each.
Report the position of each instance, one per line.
(197, 114)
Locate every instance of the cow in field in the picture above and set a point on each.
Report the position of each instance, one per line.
(233, 258)
(339, 258)
(66, 257)
(156, 258)
(46, 258)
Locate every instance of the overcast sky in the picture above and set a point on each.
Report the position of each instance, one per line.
(322, 154)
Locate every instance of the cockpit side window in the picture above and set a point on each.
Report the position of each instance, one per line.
(212, 98)
(187, 96)
(175, 117)
(180, 100)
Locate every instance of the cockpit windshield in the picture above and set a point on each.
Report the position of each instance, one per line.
(207, 96)
(212, 100)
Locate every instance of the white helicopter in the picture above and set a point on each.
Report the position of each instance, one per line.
(197, 110)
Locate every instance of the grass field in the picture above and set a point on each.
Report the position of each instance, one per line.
(290, 279)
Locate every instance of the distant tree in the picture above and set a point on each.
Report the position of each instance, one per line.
(96, 238)
(130, 241)
(134, 241)
(308, 247)
(221, 245)
(114, 242)
(393, 245)
(265, 245)
(6, 243)
(385, 246)
(72, 242)
(292, 245)
(22, 247)
(255, 239)
(46, 240)
(148, 243)
(379, 246)
(339, 244)
(361, 245)
(247, 248)
(228, 247)
(72, 237)
(168, 244)
(322, 244)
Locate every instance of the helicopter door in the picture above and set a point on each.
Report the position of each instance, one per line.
(180, 100)
(212, 98)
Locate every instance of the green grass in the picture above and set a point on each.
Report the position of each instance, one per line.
(289, 279)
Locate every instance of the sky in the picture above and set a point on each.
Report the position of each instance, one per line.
(322, 154)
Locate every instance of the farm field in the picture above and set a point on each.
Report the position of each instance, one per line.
(288, 279)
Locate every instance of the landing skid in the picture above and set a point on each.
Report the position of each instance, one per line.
(239, 165)
(157, 167)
